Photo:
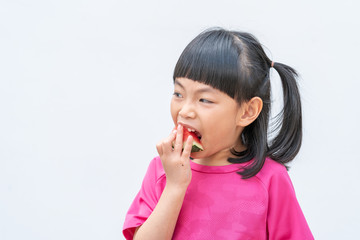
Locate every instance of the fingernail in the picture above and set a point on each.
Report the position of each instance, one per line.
(174, 132)
(179, 127)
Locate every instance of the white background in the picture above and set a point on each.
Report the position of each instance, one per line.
(84, 97)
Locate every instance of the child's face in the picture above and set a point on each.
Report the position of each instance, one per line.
(213, 114)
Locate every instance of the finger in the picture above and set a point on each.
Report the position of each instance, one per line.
(187, 149)
(179, 139)
(168, 142)
(160, 145)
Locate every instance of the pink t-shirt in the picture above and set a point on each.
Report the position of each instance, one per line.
(219, 204)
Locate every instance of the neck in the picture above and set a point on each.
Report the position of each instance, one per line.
(220, 158)
(217, 159)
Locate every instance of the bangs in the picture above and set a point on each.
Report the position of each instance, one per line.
(213, 59)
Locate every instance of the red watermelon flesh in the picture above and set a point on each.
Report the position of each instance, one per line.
(196, 145)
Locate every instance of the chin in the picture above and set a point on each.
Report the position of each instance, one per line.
(200, 154)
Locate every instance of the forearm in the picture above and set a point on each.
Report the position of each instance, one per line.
(161, 223)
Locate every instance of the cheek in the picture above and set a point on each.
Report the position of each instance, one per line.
(222, 128)
(173, 111)
(223, 131)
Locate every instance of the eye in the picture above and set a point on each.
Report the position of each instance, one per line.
(177, 95)
(205, 100)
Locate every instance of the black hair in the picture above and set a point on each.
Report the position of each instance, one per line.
(236, 64)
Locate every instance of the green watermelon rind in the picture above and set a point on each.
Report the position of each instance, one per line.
(196, 147)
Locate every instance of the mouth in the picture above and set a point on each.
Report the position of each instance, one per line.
(196, 133)
(191, 129)
(196, 144)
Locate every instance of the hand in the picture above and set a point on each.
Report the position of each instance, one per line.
(176, 161)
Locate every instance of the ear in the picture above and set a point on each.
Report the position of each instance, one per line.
(249, 111)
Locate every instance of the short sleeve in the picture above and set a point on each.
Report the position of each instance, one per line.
(285, 218)
(146, 199)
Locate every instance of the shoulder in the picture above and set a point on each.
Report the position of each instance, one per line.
(272, 170)
(285, 217)
(271, 167)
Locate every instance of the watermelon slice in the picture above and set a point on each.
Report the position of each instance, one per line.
(196, 145)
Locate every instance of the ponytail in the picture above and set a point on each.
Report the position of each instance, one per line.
(288, 123)
(287, 143)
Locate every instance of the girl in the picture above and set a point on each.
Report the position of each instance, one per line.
(238, 186)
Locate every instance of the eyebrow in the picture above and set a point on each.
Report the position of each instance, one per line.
(201, 90)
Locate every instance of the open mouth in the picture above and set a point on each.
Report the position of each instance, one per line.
(196, 144)
(196, 135)
(195, 132)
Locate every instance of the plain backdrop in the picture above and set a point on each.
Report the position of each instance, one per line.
(84, 98)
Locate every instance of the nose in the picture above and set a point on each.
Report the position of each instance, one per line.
(187, 111)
